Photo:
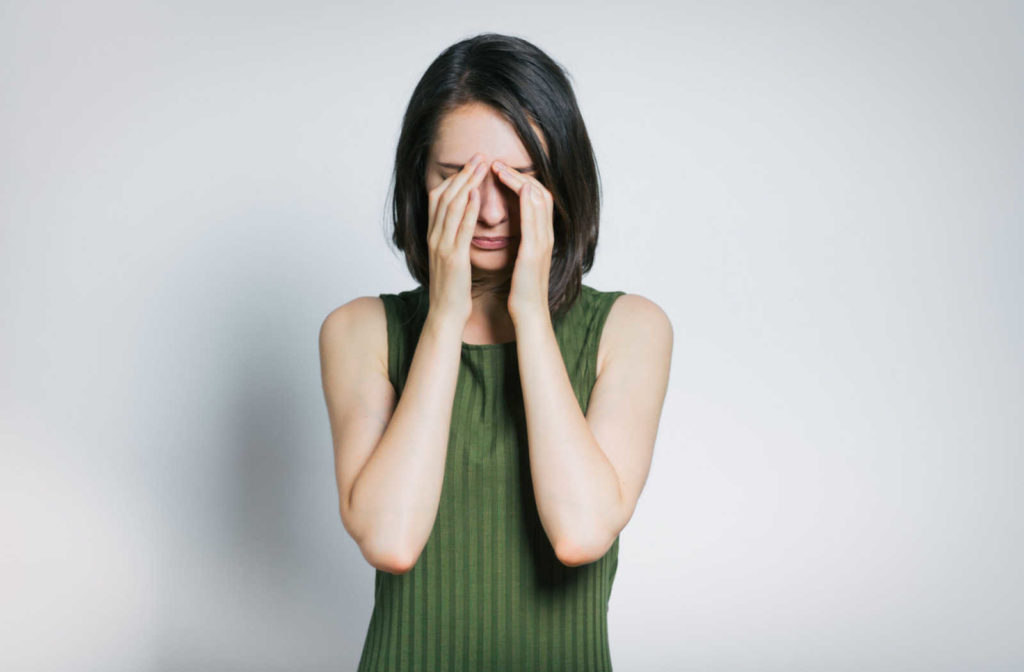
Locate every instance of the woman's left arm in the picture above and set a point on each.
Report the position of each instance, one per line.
(587, 471)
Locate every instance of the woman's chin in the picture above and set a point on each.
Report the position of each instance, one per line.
(493, 260)
(492, 270)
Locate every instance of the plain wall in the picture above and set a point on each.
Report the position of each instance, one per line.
(825, 199)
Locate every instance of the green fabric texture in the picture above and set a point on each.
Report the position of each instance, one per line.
(488, 593)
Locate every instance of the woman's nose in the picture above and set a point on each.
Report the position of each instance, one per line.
(493, 205)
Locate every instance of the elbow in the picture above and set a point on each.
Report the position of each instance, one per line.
(388, 560)
(378, 555)
(573, 553)
(589, 546)
(392, 564)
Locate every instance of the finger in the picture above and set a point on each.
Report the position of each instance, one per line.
(457, 180)
(527, 217)
(467, 227)
(516, 181)
(539, 195)
(457, 207)
(513, 178)
(433, 201)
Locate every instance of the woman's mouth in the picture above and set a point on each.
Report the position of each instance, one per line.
(491, 243)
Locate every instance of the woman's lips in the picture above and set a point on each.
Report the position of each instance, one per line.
(491, 243)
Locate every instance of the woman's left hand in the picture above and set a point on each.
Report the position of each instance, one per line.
(529, 289)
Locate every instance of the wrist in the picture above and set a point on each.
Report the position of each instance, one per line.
(443, 327)
(534, 318)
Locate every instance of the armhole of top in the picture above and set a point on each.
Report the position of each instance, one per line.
(607, 299)
(391, 318)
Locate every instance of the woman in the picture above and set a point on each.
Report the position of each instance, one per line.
(493, 427)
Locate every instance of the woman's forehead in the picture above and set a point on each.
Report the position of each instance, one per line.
(476, 128)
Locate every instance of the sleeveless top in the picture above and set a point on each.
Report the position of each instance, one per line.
(487, 593)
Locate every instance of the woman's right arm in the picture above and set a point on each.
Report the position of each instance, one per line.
(389, 460)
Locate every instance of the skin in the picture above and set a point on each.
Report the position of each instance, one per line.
(588, 470)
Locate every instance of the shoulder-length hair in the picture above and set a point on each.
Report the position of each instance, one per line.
(525, 86)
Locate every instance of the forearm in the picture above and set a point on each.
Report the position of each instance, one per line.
(394, 499)
(575, 485)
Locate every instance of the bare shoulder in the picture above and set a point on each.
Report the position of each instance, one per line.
(361, 324)
(635, 324)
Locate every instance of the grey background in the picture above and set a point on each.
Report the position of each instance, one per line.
(826, 200)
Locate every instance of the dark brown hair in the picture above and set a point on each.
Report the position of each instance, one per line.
(524, 85)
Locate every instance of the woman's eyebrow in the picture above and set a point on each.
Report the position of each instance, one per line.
(455, 166)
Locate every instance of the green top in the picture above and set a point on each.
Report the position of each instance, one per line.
(488, 592)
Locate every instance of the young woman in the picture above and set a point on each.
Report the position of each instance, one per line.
(493, 427)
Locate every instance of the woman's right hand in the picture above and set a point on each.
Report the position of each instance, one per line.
(453, 208)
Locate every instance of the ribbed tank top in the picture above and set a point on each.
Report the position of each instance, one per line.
(487, 593)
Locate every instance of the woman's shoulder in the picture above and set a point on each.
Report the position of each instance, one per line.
(359, 323)
(374, 309)
(624, 304)
(627, 318)
(363, 322)
(356, 313)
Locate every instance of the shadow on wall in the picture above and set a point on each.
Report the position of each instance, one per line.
(266, 577)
